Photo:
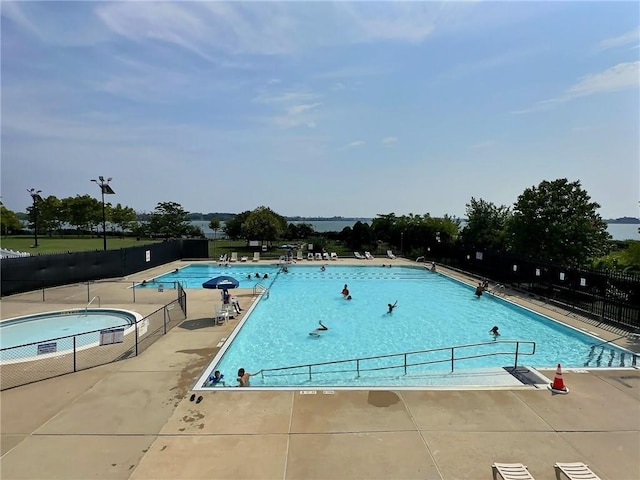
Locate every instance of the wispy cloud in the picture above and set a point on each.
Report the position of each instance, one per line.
(356, 144)
(625, 39)
(619, 77)
(291, 108)
(389, 140)
(484, 144)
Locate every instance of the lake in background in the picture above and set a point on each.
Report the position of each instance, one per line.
(619, 231)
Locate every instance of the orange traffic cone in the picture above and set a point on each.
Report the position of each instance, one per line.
(558, 384)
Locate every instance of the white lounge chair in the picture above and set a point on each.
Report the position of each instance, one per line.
(221, 315)
(390, 254)
(309, 256)
(368, 256)
(325, 256)
(299, 255)
(575, 471)
(256, 256)
(318, 256)
(511, 471)
(358, 256)
(234, 256)
(334, 256)
(244, 259)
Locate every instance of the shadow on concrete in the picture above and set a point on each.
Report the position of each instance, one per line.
(198, 323)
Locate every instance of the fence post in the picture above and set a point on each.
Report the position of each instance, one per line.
(75, 366)
(164, 319)
(88, 293)
(405, 363)
(135, 327)
(515, 367)
(133, 288)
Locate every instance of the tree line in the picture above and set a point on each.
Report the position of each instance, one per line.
(555, 221)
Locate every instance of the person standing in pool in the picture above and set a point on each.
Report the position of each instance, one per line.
(494, 331)
(243, 377)
(345, 291)
(391, 307)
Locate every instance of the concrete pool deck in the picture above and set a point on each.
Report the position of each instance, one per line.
(133, 418)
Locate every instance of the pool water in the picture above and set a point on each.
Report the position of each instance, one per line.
(59, 326)
(433, 311)
(193, 276)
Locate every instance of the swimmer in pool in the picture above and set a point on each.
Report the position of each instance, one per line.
(321, 328)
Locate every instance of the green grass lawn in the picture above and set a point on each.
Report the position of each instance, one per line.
(68, 244)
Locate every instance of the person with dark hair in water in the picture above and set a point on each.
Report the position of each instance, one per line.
(479, 290)
(494, 331)
(321, 328)
(345, 291)
(243, 377)
(391, 307)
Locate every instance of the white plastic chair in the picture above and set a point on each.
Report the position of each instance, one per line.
(575, 471)
(511, 471)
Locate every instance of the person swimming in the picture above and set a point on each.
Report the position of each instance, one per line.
(321, 328)
(345, 291)
(494, 331)
(391, 307)
(479, 290)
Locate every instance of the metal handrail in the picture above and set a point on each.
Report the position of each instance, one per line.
(259, 288)
(86, 309)
(406, 364)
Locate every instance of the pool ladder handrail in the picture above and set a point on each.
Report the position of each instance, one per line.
(260, 289)
(86, 309)
(405, 364)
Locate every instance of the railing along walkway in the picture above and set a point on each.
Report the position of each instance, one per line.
(358, 368)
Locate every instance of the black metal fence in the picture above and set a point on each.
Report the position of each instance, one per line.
(28, 363)
(24, 274)
(607, 295)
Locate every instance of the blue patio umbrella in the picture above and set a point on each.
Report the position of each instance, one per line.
(223, 282)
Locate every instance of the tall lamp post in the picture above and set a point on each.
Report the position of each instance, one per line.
(35, 196)
(106, 189)
(401, 242)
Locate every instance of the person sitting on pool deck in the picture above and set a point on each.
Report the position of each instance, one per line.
(391, 307)
(243, 377)
(494, 331)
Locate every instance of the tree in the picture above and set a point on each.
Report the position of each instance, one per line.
(214, 224)
(264, 224)
(83, 211)
(557, 222)
(486, 225)
(51, 215)
(169, 219)
(9, 222)
(125, 218)
(233, 227)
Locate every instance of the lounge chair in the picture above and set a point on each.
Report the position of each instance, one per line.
(511, 471)
(221, 315)
(299, 255)
(325, 256)
(244, 259)
(223, 258)
(234, 256)
(318, 256)
(334, 256)
(390, 254)
(309, 256)
(256, 256)
(368, 256)
(358, 256)
(575, 471)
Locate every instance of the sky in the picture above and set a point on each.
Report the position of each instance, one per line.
(320, 108)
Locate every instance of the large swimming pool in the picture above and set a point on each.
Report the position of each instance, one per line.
(433, 311)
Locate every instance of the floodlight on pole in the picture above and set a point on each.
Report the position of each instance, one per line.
(35, 196)
(105, 189)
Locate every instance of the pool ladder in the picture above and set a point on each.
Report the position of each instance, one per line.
(260, 289)
(86, 309)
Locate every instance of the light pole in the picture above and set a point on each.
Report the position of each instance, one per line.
(401, 242)
(35, 196)
(105, 189)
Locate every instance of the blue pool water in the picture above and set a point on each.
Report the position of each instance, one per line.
(33, 330)
(433, 312)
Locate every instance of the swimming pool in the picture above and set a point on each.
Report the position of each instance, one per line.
(52, 333)
(433, 311)
(193, 276)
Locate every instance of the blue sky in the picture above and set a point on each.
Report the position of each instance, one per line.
(321, 108)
